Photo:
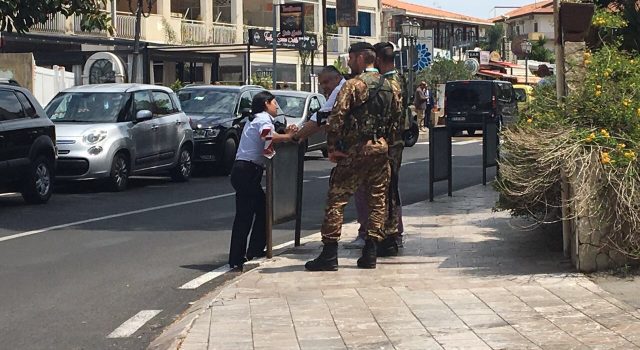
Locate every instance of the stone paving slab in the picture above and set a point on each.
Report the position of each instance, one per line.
(468, 278)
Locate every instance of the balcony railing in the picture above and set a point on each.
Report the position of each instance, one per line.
(194, 32)
(55, 24)
(77, 28)
(125, 25)
(223, 33)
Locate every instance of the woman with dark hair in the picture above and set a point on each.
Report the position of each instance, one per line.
(256, 144)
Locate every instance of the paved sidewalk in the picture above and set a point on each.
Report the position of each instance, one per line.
(468, 278)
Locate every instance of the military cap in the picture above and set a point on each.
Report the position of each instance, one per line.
(360, 46)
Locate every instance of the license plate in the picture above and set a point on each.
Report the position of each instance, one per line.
(458, 119)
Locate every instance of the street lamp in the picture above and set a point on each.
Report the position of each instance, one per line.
(410, 32)
(526, 47)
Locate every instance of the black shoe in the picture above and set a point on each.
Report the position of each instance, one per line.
(252, 256)
(237, 265)
(326, 261)
(388, 247)
(368, 259)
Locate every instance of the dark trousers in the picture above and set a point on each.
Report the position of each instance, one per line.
(246, 179)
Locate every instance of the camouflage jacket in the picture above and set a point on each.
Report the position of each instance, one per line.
(399, 114)
(352, 123)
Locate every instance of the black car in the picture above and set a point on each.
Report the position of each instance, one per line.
(27, 145)
(217, 117)
(467, 102)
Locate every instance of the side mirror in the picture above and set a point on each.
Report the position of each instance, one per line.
(245, 112)
(144, 115)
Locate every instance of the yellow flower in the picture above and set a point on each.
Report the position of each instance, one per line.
(606, 74)
(605, 158)
(599, 87)
(621, 146)
(529, 120)
(630, 155)
(605, 133)
(626, 102)
(638, 112)
(598, 93)
(587, 62)
(591, 137)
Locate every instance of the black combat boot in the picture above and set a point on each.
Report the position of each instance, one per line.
(369, 255)
(327, 261)
(388, 247)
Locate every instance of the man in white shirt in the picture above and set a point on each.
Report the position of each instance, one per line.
(330, 80)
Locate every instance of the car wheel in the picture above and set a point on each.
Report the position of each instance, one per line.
(182, 171)
(471, 131)
(410, 136)
(119, 176)
(228, 155)
(38, 185)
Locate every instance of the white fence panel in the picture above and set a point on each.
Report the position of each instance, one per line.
(48, 82)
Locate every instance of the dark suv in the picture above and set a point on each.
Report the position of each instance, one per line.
(217, 117)
(27, 145)
(467, 102)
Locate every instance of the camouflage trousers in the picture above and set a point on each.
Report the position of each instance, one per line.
(371, 172)
(393, 225)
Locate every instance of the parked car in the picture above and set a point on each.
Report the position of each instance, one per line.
(27, 145)
(218, 114)
(523, 95)
(113, 131)
(9, 81)
(297, 107)
(467, 102)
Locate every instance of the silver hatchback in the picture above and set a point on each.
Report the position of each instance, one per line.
(112, 131)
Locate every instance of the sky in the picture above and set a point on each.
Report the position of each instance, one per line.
(475, 8)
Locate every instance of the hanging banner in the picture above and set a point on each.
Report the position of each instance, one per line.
(291, 20)
(347, 13)
(264, 38)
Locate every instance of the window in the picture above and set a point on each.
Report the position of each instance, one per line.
(10, 107)
(29, 109)
(535, 27)
(504, 92)
(258, 13)
(205, 101)
(364, 25)
(245, 101)
(88, 107)
(141, 102)
(162, 103)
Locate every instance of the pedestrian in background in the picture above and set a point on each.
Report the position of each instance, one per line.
(421, 99)
(256, 144)
(358, 129)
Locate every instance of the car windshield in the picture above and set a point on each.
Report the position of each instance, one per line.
(88, 107)
(205, 101)
(519, 94)
(466, 97)
(291, 106)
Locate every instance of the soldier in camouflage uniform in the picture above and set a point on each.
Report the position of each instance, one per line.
(385, 62)
(360, 127)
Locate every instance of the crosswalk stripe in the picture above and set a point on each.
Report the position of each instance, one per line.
(131, 325)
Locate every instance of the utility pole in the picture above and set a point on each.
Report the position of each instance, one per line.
(560, 76)
(324, 33)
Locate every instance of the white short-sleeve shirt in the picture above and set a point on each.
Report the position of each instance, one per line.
(255, 143)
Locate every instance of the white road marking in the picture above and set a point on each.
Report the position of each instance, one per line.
(131, 325)
(197, 282)
(113, 216)
(11, 194)
(422, 143)
(323, 177)
(462, 143)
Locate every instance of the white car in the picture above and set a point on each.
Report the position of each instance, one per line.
(298, 107)
(112, 131)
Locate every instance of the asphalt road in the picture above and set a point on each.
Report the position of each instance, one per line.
(74, 270)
